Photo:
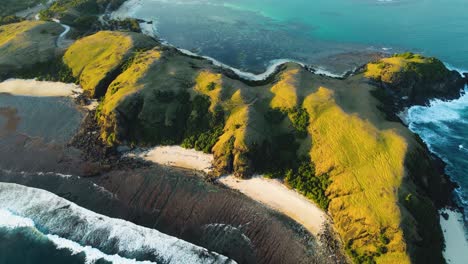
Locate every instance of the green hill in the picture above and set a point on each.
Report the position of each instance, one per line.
(27, 43)
(95, 60)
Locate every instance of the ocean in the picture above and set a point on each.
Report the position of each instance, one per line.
(334, 36)
(249, 34)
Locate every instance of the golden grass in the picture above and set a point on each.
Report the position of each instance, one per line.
(388, 66)
(128, 82)
(285, 94)
(15, 32)
(366, 167)
(210, 84)
(105, 52)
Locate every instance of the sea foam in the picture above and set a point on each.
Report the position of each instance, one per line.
(11, 221)
(61, 218)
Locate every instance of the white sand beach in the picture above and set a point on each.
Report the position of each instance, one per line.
(39, 88)
(272, 193)
(277, 196)
(179, 157)
(456, 245)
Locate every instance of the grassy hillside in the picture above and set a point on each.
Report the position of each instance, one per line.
(27, 43)
(415, 79)
(366, 167)
(10, 7)
(105, 54)
(388, 69)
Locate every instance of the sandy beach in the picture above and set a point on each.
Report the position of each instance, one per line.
(179, 157)
(456, 245)
(269, 192)
(39, 88)
(277, 196)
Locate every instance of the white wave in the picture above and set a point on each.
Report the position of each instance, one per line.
(9, 220)
(66, 219)
(453, 68)
(92, 254)
(12, 221)
(439, 110)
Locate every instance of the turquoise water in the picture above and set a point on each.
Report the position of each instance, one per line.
(248, 34)
(438, 28)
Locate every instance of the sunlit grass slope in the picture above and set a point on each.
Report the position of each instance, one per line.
(105, 53)
(390, 70)
(126, 84)
(366, 167)
(285, 94)
(27, 43)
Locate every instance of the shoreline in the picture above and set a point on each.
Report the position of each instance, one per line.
(456, 240)
(127, 10)
(271, 193)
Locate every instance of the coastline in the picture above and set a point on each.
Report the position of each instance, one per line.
(456, 241)
(128, 10)
(271, 193)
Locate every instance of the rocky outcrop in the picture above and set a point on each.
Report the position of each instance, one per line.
(412, 79)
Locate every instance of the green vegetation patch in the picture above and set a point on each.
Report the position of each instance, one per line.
(72, 9)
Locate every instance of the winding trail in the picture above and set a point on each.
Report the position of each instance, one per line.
(62, 42)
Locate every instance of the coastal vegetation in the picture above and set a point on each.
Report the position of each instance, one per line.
(71, 11)
(292, 129)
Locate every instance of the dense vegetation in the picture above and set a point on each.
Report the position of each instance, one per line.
(54, 70)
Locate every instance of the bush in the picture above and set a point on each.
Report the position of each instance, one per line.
(10, 20)
(54, 71)
(306, 182)
(300, 120)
